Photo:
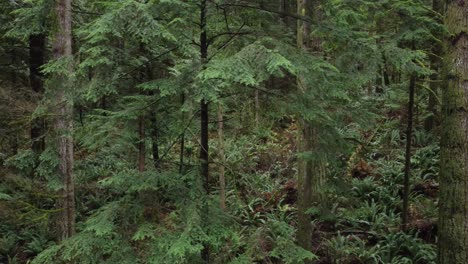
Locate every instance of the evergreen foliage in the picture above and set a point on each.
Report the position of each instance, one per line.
(136, 79)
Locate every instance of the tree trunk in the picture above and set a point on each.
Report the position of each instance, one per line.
(203, 104)
(409, 133)
(154, 122)
(204, 166)
(141, 143)
(436, 62)
(222, 158)
(62, 49)
(257, 109)
(311, 169)
(182, 143)
(36, 60)
(154, 139)
(453, 201)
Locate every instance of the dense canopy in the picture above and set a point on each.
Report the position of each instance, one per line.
(233, 131)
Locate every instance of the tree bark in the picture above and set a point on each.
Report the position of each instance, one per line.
(203, 104)
(436, 63)
(222, 158)
(182, 142)
(311, 169)
(154, 139)
(141, 143)
(62, 49)
(36, 60)
(453, 201)
(257, 109)
(409, 133)
(204, 154)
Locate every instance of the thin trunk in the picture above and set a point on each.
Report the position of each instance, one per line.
(154, 122)
(257, 109)
(62, 49)
(154, 139)
(141, 143)
(182, 143)
(203, 104)
(436, 62)
(409, 133)
(14, 76)
(385, 72)
(311, 169)
(453, 200)
(204, 166)
(222, 158)
(36, 60)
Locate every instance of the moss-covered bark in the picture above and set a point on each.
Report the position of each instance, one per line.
(453, 218)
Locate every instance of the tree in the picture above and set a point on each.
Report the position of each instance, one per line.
(36, 61)
(310, 166)
(62, 52)
(453, 205)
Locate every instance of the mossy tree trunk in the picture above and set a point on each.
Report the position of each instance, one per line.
(453, 205)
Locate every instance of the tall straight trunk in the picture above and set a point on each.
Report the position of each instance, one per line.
(409, 133)
(154, 138)
(36, 60)
(62, 49)
(154, 122)
(141, 143)
(311, 169)
(204, 104)
(204, 166)
(453, 200)
(436, 62)
(182, 142)
(222, 158)
(257, 108)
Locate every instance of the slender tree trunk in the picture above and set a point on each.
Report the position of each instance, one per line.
(36, 60)
(222, 158)
(203, 104)
(154, 139)
(204, 166)
(436, 61)
(257, 109)
(62, 49)
(453, 200)
(182, 142)
(141, 143)
(311, 169)
(154, 123)
(409, 134)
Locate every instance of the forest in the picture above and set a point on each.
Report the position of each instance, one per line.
(234, 131)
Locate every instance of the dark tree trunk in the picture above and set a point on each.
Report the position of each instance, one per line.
(203, 104)
(36, 60)
(154, 138)
(409, 133)
(141, 143)
(436, 63)
(204, 167)
(182, 143)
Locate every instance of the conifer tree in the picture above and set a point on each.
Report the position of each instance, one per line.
(62, 52)
(310, 166)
